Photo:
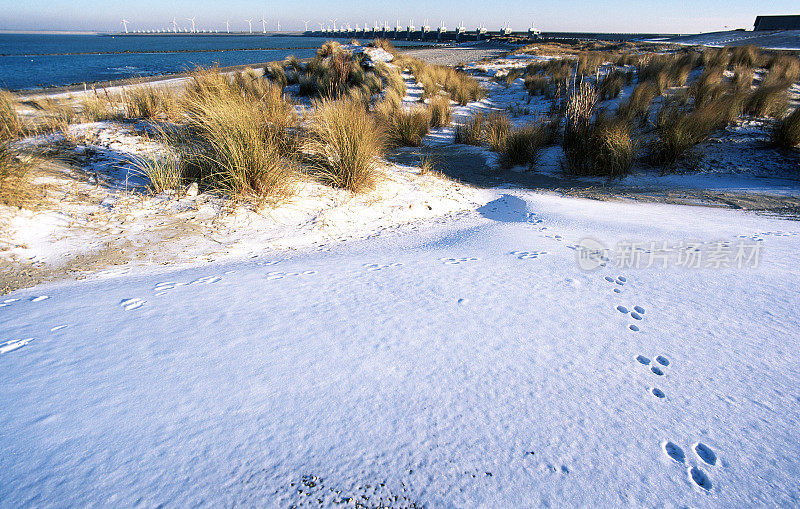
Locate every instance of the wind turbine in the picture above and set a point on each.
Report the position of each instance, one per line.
(228, 25)
(174, 25)
(334, 23)
(250, 24)
(278, 24)
(320, 26)
(192, 20)
(263, 25)
(306, 23)
(125, 24)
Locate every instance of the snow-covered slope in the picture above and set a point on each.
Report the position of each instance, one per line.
(469, 362)
(778, 39)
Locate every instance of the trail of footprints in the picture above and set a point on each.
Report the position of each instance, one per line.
(163, 287)
(619, 282)
(135, 303)
(372, 267)
(636, 313)
(528, 255)
(16, 344)
(458, 261)
(675, 452)
(704, 453)
(658, 367)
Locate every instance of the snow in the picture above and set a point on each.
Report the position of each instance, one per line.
(373, 54)
(466, 361)
(767, 39)
(118, 217)
(428, 343)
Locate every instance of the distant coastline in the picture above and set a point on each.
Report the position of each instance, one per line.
(49, 32)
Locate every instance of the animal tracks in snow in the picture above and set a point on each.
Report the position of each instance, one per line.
(371, 267)
(700, 478)
(705, 453)
(131, 304)
(10, 346)
(8, 302)
(528, 255)
(281, 275)
(458, 261)
(163, 287)
(696, 474)
(657, 368)
(674, 452)
(268, 263)
(619, 282)
(636, 314)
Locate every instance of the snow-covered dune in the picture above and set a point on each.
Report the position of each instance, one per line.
(779, 39)
(461, 363)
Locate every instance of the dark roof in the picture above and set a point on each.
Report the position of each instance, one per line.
(789, 22)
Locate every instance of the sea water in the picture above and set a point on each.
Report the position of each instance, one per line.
(30, 61)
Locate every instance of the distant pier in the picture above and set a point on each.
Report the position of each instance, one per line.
(461, 34)
(421, 34)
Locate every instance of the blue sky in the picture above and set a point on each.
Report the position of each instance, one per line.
(548, 15)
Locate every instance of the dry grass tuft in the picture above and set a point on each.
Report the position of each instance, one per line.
(742, 79)
(427, 166)
(638, 104)
(15, 166)
(383, 44)
(237, 144)
(435, 78)
(767, 100)
(604, 147)
(276, 74)
(406, 128)
(783, 69)
(611, 85)
(95, 108)
(163, 172)
(440, 111)
(716, 57)
(145, 101)
(292, 62)
(680, 130)
(745, 56)
(497, 128)
(590, 61)
(537, 85)
(522, 145)
(11, 125)
(601, 146)
(470, 132)
(787, 131)
(336, 73)
(708, 87)
(344, 144)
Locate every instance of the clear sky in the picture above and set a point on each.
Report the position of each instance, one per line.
(679, 16)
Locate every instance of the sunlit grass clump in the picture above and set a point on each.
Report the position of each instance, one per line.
(343, 144)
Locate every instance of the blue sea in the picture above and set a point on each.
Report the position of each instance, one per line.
(30, 61)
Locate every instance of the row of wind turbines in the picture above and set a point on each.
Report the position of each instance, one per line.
(175, 28)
